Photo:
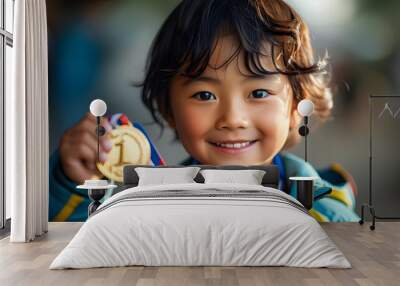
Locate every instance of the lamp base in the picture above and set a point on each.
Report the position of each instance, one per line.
(305, 193)
(95, 195)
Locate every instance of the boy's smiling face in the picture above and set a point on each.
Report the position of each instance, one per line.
(227, 116)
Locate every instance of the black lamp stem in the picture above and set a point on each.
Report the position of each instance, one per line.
(305, 151)
(305, 139)
(98, 138)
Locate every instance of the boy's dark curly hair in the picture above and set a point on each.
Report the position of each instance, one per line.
(186, 40)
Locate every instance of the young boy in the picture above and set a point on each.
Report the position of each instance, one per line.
(227, 76)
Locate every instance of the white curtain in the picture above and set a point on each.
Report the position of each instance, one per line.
(27, 124)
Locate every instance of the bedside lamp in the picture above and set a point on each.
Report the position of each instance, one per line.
(97, 188)
(305, 108)
(305, 184)
(98, 108)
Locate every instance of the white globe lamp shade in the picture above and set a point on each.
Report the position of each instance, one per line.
(98, 107)
(305, 107)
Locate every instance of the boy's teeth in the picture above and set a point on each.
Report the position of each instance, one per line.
(233, 145)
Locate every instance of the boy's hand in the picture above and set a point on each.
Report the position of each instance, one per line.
(78, 149)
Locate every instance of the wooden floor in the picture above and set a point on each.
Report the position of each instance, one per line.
(375, 256)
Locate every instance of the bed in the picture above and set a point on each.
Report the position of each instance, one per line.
(201, 224)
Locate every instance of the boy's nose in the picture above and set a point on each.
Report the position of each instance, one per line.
(232, 116)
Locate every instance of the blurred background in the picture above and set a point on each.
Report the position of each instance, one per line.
(97, 49)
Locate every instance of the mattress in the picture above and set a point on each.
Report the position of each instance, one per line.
(201, 225)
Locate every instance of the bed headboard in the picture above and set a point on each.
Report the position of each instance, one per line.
(270, 179)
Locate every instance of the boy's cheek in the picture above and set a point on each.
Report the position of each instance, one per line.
(270, 120)
(191, 124)
(190, 114)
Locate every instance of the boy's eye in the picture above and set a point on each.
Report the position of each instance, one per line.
(259, 93)
(204, 96)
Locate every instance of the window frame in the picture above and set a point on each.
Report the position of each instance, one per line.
(6, 39)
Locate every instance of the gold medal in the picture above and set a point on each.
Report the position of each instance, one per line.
(129, 146)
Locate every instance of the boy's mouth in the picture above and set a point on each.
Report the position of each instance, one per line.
(233, 146)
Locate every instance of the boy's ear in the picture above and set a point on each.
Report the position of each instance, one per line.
(167, 116)
(295, 118)
(171, 121)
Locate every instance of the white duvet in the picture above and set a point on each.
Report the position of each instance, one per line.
(201, 224)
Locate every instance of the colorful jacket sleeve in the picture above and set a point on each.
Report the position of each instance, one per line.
(339, 205)
(66, 203)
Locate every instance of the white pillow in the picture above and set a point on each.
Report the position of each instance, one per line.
(162, 176)
(248, 177)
